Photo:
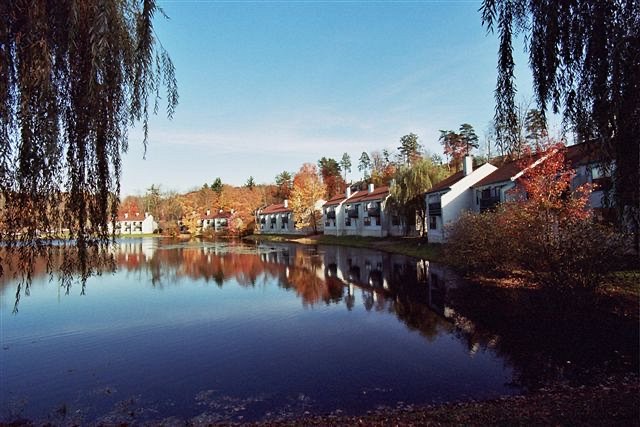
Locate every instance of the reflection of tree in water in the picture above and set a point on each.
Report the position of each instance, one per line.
(536, 334)
(545, 338)
(62, 260)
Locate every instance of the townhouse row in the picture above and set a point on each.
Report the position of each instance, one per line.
(135, 223)
(369, 212)
(487, 186)
(356, 213)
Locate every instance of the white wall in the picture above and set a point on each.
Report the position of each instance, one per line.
(149, 225)
(459, 198)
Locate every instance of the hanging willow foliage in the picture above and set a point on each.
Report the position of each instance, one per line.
(74, 75)
(585, 59)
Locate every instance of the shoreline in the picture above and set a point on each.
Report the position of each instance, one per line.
(416, 247)
(615, 401)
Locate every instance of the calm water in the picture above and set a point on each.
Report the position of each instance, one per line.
(219, 331)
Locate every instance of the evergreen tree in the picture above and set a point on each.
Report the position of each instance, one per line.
(217, 185)
(364, 164)
(345, 164)
(410, 148)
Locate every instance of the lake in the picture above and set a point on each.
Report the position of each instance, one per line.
(208, 331)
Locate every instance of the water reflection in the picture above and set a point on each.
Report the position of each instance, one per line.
(513, 331)
(414, 290)
(543, 339)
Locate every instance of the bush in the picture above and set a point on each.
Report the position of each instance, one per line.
(476, 244)
(563, 255)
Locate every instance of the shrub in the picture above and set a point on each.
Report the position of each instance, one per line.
(476, 244)
(560, 255)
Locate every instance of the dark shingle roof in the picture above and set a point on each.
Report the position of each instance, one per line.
(502, 174)
(447, 182)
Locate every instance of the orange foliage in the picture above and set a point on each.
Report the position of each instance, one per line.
(546, 183)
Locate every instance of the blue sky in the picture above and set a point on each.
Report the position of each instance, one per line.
(267, 86)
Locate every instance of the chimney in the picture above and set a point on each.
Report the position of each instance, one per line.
(208, 212)
(286, 203)
(126, 215)
(467, 165)
(146, 214)
(370, 188)
(348, 192)
(137, 213)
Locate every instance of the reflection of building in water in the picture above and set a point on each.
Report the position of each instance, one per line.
(438, 282)
(133, 252)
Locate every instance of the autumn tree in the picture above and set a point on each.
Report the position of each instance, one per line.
(364, 165)
(382, 168)
(545, 230)
(244, 202)
(331, 176)
(169, 212)
(454, 147)
(410, 148)
(308, 189)
(584, 58)
(132, 204)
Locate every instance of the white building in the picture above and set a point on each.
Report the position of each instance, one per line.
(500, 185)
(279, 219)
(134, 223)
(217, 222)
(452, 196)
(361, 213)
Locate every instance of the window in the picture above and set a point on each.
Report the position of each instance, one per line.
(433, 222)
(347, 221)
(367, 221)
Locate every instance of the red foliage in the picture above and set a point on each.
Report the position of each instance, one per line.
(545, 185)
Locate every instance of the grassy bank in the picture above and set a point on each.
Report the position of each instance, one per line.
(410, 246)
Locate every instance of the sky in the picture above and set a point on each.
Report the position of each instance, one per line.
(267, 86)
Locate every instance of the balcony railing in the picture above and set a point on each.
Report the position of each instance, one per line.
(352, 213)
(373, 212)
(489, 203)
(331, 214)
(435, 209)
